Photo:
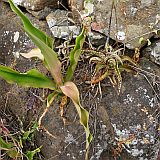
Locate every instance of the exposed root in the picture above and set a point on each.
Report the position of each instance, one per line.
(62, 105)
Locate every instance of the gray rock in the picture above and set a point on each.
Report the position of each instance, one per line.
(36, 5)
(13, 40)
(62, 24)
(42, 14)
(133, 113)
(129, 117)
(130, 21)
(153, 52)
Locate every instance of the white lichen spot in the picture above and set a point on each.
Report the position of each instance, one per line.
(89, 8)
(17, 1)
(138, 127)
(128, 99)
(135, 152)
(134, 142)
(59, 152)
(121, 35)
(133, 10)
(16, 54)
(128, 45)
(148, 67)
(33, 7)
(151, 102)
(152, 139)
(16, 37)
(7, 32)
(69, 138)
(80, 152)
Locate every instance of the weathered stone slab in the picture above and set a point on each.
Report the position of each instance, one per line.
(38, 4)
(133, 115)
(13, 40)
(152, 52)
(61, 25)
(130, 21)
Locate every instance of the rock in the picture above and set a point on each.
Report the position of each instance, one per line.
(128, 111)
(153, 52)
(39, 4)
(128, 121)
(13, 40)
(42, 14)
(131, 115)
(131, 20)
(62, 24)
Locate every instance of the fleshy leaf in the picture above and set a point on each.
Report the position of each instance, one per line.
(74, 55)
(71, 91)
(43, 42)
(32, 78)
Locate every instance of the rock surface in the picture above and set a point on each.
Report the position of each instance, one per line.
(36, 5)
(129, 121)
(153, 52)
(62, 24)
(13, 40)
(133, 115)
(131, 19)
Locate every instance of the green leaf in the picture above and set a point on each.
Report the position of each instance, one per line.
(71, 91)
(31, 154)
(30, 28)
(43, 42)
(32, 78)
(74, 55)
(5, 145)
(29, 133)
(9, 148)
(26, 134)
